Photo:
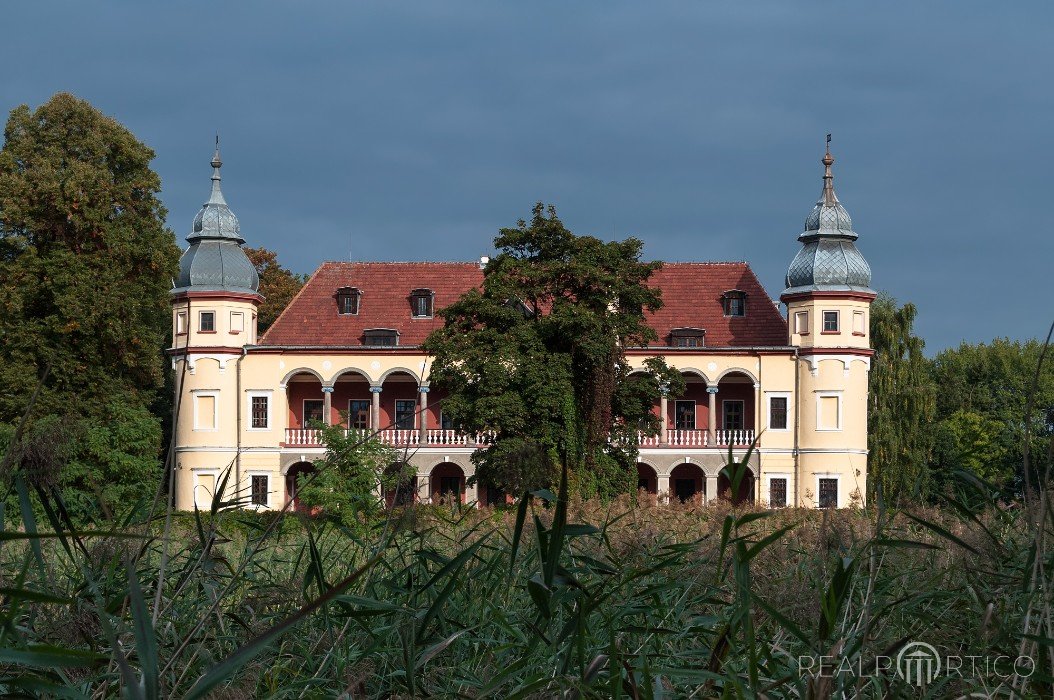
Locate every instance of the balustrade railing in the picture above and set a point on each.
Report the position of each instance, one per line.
(402, 437)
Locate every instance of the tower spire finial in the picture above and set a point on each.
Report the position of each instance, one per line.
(829, 197)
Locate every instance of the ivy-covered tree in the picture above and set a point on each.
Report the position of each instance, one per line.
(902, 404)
(537, 356)
(277, 285)
(85, 268)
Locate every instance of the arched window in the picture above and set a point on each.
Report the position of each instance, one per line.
(348, 301)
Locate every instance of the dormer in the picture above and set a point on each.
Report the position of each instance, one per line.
(422, 301)
(734, 302)
(348, 299)
(380, 337)
(687, 338)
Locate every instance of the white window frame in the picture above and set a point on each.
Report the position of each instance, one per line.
(819, 410)
(769, 395)
(181, 322)
(801, 328)
(863, 323)
(369, 414)
(768, 488)
(249, 396)
(240, 314)
(215, 394)
(258, 472)
(201, 315)
(838, 321)
(215, 473)
(837, 478)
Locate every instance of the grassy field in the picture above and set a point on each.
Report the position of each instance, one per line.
(546, 599)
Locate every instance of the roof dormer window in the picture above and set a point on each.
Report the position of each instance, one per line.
(348, 301)
(687, 338)
(735, 302)
(380, 337)
(421, 303)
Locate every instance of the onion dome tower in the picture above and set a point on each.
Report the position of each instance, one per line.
(217, 279)
(828, 298)
(215, 260)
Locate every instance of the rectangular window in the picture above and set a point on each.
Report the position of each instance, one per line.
(313, 412)
(181, 322)
(404, 414)
(778, 493)
(204, 490)
(777, 412)
(348, 301)
(237, 322)
(207, 321)
(380, 338)
(801, 322)
(260, 410)
(830, 321)
(445, 421)
(733, 415)
(359, 414)
(859, 327)
(205, 412)
(828, 412)
(684, 415)
(828, 493)
(421, 305)
(259, 489)
(687, 341)
(735, 306)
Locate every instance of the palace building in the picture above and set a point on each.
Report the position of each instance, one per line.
(347, 350)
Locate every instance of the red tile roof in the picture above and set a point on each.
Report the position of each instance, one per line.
(692, 294)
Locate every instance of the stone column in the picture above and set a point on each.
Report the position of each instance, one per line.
(327, 405)
(422, 403)
(664, 430)
(711, 487)
(711, 415)
(663, 488)
(375, 408)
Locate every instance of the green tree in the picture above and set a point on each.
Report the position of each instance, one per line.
(973, 442)
(85, 267)
(537, 356)
(345, 483)
(902, 405)
(994, 381)
(277, 285)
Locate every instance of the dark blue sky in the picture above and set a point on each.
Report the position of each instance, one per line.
(407, 131)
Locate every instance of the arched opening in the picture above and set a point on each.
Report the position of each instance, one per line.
(400, 485)
(735, 409)
(292, 476)
(399, 418)
(688, 413)
(306, 404)
(352, 401)
(447, 482)
(687, 483)
(647, 479)
(746, 488)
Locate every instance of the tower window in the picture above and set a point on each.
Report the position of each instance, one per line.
(801, 322)
(735, 302)
(830, 321)
(421, 303)
(687, 337)
(859, 325)
(348, 301)
(181, 322)
(380, 337)
(237, 322)
(207, 321)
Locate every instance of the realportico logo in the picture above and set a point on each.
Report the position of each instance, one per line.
(920, 664)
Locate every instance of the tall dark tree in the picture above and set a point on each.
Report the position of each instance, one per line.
(277, 285)
(538, 357)
(85, 267)
(902, 403)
